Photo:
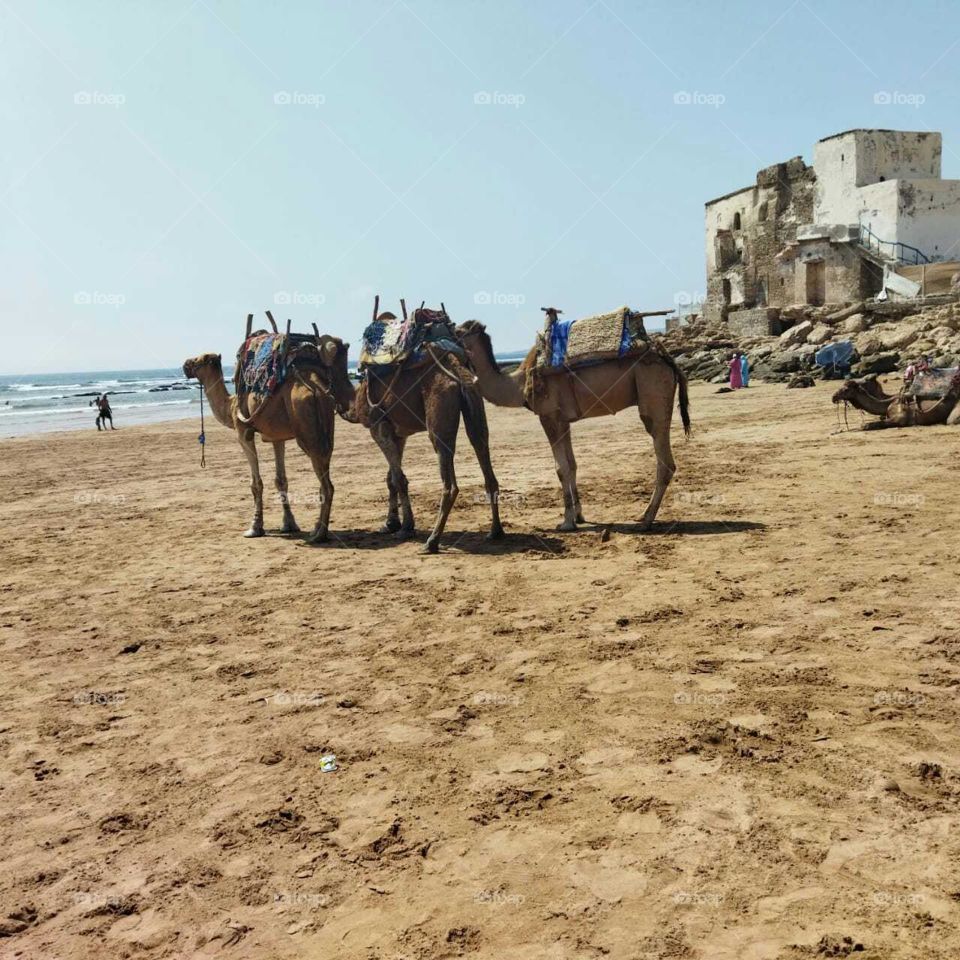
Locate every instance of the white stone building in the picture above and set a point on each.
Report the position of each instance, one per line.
(872, 204)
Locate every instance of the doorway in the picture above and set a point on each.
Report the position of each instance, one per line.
(816, 283)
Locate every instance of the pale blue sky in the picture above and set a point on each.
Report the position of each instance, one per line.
(147, 166)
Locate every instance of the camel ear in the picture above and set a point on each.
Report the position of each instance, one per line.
(330, 351)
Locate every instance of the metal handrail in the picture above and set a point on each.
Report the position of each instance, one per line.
(871, 241)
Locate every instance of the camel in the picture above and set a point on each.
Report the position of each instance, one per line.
(427, 394)
(900, 411)
(648, 381)
(302, 410)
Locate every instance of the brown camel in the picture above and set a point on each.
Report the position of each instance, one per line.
(900, 411)
(427, 394)
(302, 410)
(648, 382)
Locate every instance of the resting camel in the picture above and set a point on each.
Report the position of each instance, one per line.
(648, 382)
(430, 395)
(302, 410)
(900, 411)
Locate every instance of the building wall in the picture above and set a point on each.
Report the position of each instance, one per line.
(845, 163)
(746, 230)
(847, 275)
(929, 216)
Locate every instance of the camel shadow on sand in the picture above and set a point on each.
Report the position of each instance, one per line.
(685, 528)
(460, 541)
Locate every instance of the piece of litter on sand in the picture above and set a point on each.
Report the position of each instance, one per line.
(328, 764)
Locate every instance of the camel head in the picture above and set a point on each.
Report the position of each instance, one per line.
(852, 389)
(473, 335)
(193, 367)
(333, 355)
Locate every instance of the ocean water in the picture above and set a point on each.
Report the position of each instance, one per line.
(43, 403)
(40, 403)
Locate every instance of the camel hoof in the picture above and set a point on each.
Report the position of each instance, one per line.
(495, 534)
(290, 528)
(406, 533)
(646, 526)
(391, 526)
(579, 518)
(568, 526)
(255, 532)
(431, 546)
(318, 536)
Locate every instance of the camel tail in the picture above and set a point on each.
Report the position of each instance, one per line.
(474, 415)
(681, 380)
(684, 400)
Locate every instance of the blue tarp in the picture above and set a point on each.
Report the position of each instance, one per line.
(834, 354)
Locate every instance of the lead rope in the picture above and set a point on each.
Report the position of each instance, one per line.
(203, 434)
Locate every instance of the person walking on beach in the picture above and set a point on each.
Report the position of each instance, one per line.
(744, 370)
(104, 413)
(736, 379)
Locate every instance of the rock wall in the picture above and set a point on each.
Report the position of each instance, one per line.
(887, 337)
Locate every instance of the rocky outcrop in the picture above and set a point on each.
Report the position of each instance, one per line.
(886, 335)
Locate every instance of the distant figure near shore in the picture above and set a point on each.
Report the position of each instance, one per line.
(104, 413)
(736, 376)
(744, 370)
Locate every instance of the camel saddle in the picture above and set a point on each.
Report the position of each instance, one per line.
(389, 342)
(932, 384)
(567, 344)
(264, 360)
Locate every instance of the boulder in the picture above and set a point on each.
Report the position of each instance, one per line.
(855, 324)
(902, 335)
(868, 344)
(821, 333)
(922, 348)
(879, 363)
(795, 312)
(786, 362)
(796, 334)
(940, 335)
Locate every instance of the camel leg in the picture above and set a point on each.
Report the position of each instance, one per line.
(572, 475)
(392, 447)
(280, 457)
(321, 467)
(658, 426)
(558, 433)
(445, 447)
(248, 443)
(392, 523)
(954, 417)
(475, 419)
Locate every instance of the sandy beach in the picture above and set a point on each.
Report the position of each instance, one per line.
(734, 738)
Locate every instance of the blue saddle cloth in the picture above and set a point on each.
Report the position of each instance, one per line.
(560, 337)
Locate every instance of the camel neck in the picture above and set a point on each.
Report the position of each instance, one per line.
(219, 398)
(500, 389)
(867, 402)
